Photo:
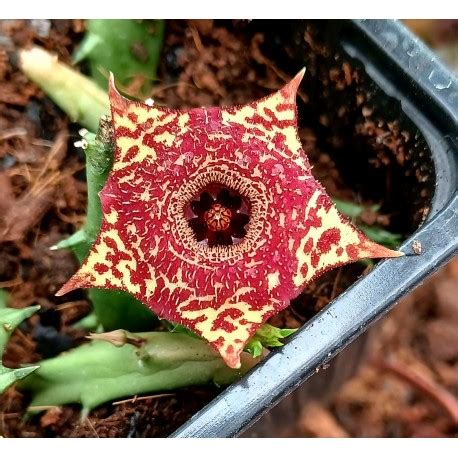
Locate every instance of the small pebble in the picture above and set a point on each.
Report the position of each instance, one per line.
(416, 247)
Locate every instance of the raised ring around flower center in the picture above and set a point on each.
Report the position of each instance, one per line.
(247, 200)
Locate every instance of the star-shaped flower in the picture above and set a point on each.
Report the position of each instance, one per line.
(212, 218)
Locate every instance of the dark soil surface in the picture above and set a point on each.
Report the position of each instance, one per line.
(42, 200)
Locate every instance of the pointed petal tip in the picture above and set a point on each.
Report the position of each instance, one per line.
(111, 83)
(296, 81)
(61, 292)
(117, 101)
(231, 357)
(388, 253)
(301, 73)
(374, 250)
(397, 254)
(233, 363)
(112, 91)
(64, 290)
(291, 88)
(68, 287)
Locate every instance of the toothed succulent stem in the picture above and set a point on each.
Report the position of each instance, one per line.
(113, 309)
(88, 105)
(9, 320)
(100, 371)
(128, 48)
(99, 158)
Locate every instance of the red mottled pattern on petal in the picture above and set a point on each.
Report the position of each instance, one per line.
(163, 159)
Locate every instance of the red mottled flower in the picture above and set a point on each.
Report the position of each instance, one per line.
(213, 219)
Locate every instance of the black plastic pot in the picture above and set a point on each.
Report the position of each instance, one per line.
(402, 76)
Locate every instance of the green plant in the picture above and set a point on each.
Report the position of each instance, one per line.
(81, 98)
(129, 49)
(267, 336)
(112, 309)
(9, 321)
(145, 362)
(139, 240)
(121, 364)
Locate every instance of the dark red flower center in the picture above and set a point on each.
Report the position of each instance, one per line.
(218, 216)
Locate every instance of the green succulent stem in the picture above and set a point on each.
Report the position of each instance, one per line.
(128, 48)
(110, 368)
(99, 158)
(77, 95)
(9, 321)
(113, 309)
(87, 104)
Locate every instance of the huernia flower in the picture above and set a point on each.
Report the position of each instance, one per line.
(212, 216)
